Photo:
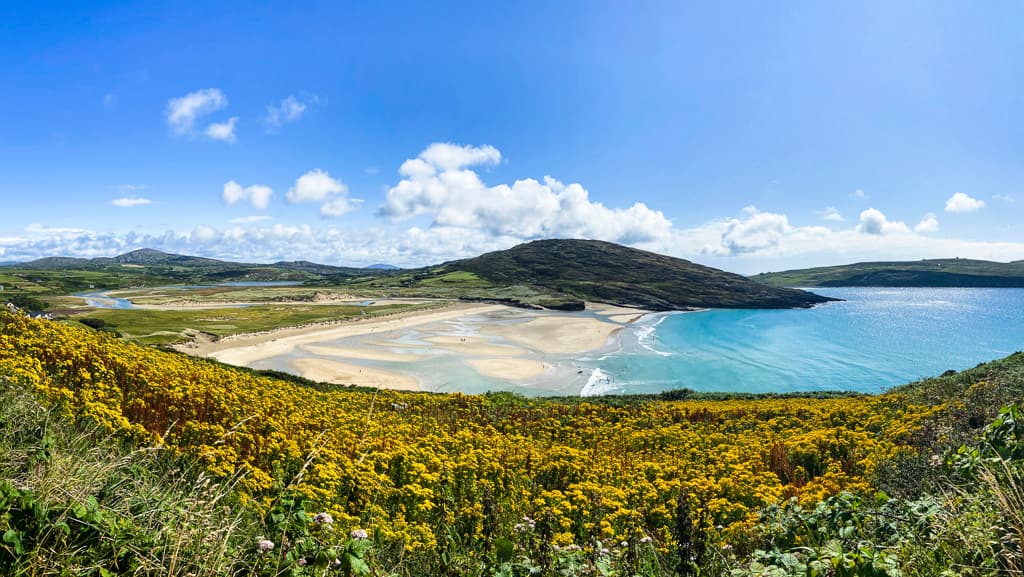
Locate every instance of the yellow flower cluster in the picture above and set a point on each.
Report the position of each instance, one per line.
(419, 468)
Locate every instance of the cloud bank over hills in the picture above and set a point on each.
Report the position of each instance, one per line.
(442, 208)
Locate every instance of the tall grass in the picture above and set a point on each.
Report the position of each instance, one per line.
(76, 501)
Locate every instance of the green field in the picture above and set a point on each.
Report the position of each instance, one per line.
(170, 326)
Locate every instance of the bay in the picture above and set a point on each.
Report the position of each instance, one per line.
(874, 339)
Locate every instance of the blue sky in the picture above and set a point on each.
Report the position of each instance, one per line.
(747, 135)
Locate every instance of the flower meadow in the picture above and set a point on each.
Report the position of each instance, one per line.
(446, 480)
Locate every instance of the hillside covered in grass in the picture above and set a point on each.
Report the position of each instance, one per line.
(566, 273)
(949, 272)
(418, 483)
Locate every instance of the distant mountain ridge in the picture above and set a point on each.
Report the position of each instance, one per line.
(153, 257)
(949, 272)
(184, 267)
(560, 274)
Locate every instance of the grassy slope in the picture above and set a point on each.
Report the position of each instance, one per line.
(564, 273)
(927, 273)
(77, 499)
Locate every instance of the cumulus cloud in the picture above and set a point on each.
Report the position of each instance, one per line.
(319, 186)
(223, 130)
(288, 110)
(315, 186)
(873, 221)
(182, 112)
(439, 183)
(830, 213)
(860, 194)
(130, 201)
(961, 202)
(928, 224)
(339, 205)
(257, 194)
(251, 219)
(757, 232)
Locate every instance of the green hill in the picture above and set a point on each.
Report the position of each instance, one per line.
(950, 272)
(564, 273)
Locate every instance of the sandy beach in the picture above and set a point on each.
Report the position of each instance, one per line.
(496, 341)
(352, 374)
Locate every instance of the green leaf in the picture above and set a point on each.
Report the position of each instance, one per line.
(13, 538)
(359, 567)
(503, 550)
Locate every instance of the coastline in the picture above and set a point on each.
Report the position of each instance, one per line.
(401, 351)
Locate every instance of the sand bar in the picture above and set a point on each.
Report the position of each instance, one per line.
(362, 352)
(474, 346)
(559, 334)
(351, 374)
(514, 369)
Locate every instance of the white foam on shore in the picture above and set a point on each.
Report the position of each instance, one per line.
(645, 334)
(599, 383)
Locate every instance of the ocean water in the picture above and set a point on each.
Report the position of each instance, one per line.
(875, 339)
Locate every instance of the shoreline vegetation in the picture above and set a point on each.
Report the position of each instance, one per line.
(191, 466)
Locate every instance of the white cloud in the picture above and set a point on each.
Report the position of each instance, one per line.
(448, 156)
(873, 221)
(320, 187)
(257, 194)
(1004, 198)
(830, 213)
(315, 186)
(961, 202)
(130, 188)
(109, 100)
(928, 224)
(439, 183)
(182, 112)
(223, 130)
(288, 110)
(251, 219)
(860, 194)
(371, 170)
(339, 205)
(758, 232)
(130, 201)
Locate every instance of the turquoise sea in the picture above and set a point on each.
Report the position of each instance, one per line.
(874, 339)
